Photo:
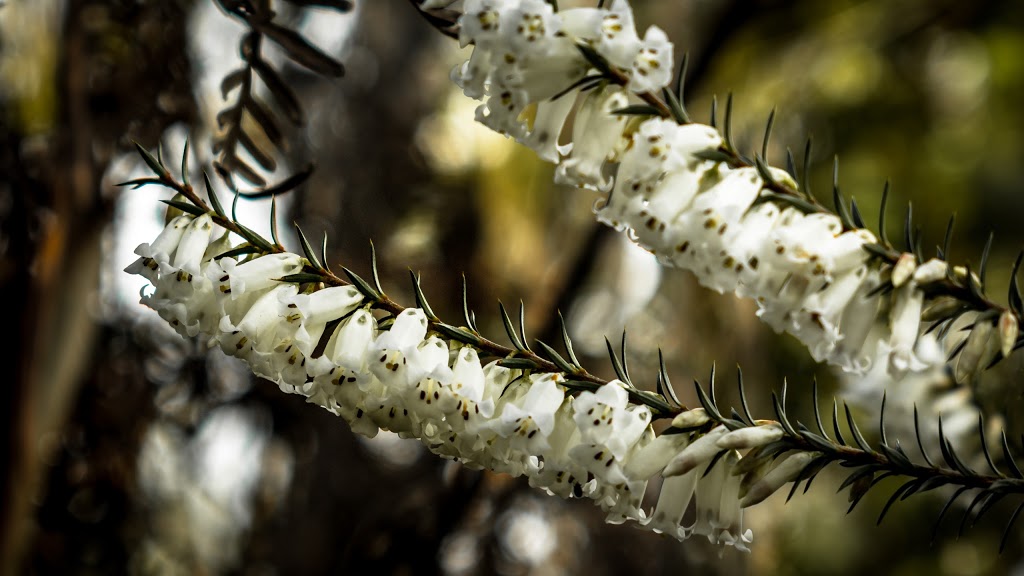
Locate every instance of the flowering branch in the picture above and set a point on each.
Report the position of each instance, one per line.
(806, 452)
(315, 271)
(571, 433)
(684, 192)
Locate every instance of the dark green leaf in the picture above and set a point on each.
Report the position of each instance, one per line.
(676, 107)
(185, 207)
(184, 166)
(882, 234)
(566, 341)
(1009, 527)
(307, 250)
(517, 363)
(457, 333)
(578, 84)
(302, 278)
(768, 134)
(510, 329)
(239, 251)
(361, 285)
(152, 162)
(637, 110)
(421, 298)
(556, 358)
(273, 221)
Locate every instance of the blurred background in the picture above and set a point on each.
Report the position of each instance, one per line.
(127, 449)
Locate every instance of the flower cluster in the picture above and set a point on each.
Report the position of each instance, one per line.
(525, 55)
(664, 183)
(396, 374)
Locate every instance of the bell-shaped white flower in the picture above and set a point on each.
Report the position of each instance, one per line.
(500, 112)
(531, 419)
(701, 451)
(256, 274)
(151, 255)
(673, 500)
(653, 457)
(651, 69)
(618, 41)
(750, 437)
(313, 311)
(605, 418)
(194, 241)
(258, 321)
(784, 471)
(547, 126)
(531, 26)
(856, 323)
(904, 322)
(349, 348)
(408, 330)
(481, 21)
(596, 137)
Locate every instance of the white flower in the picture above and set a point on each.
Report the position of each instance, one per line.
(530, 419)
(701, 451)
(502, 109)
(691, 418)
(605, 418)
(531, 26)
(350, 344)
(751, 437)
(905, 320)
(313, 311)
(151, 255)
(651, 69)
(652, 458)
(931, 271)
(547, 126)
(903, 270)
(256, 274)
(618, 41)
(856, 323)
(259, 321)
(719, 516)
(785, 470)
(194, 242)
(676, 494)
(430, 360)
(596, 136)
(468, 385)
(481, 21)
(560, 475)
(409, 329)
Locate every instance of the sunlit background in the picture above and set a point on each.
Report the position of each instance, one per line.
(130, 450)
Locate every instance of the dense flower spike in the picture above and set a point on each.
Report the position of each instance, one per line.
(302, 327)
(670, 187)
(409, 380)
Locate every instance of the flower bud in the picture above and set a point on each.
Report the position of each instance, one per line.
(931, 271)
(980, 349)
(691, 419)
(1008, 330)
(700, 452)
(785, 472)
(751, 437)
(903, 269)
